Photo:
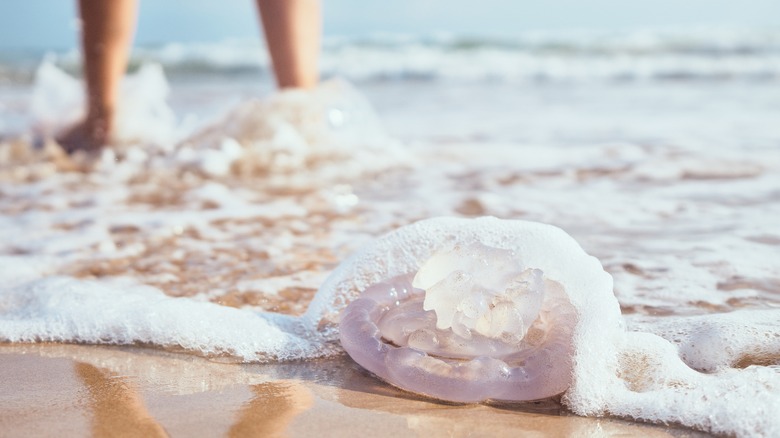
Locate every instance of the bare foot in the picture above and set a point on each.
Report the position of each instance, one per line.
(89, 135)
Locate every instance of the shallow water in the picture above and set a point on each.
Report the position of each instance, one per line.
(672, 184)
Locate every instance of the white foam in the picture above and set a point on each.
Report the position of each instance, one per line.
(716, 342)
(121, 312)
(654, 384)
(297, 139)
(143, 115)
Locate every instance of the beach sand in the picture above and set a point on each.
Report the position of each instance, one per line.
(78, 390)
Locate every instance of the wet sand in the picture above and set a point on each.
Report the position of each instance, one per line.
(78, 390)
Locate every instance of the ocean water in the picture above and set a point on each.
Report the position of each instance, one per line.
(227, 208)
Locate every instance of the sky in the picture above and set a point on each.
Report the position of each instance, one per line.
(51, 24)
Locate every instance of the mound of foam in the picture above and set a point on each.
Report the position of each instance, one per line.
(297, 139)
(62, 309)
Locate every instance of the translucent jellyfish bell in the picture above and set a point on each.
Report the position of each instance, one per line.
(471, 324)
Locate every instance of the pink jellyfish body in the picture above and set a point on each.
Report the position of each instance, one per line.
(471, 324)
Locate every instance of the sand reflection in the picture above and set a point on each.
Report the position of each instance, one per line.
(118, 409)
(144, 392)
(272, 409)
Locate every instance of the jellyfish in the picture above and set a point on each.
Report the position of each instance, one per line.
(473, 323)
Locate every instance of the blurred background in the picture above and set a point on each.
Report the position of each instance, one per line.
(44, 24)
(474, 65)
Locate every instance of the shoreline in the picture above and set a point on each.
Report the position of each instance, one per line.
(77, 389)
(679, 206)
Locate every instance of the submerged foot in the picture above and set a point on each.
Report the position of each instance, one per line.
(89, 135)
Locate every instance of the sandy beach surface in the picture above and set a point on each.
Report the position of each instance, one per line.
(78, 390)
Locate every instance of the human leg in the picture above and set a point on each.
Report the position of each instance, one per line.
(106, 34)
(292, 30)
